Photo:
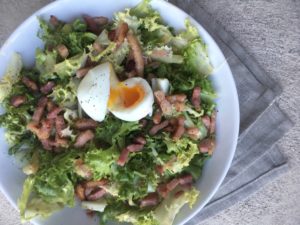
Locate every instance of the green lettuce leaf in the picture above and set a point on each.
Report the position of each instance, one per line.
(98, 205)
(44, 63)
(164, 214)
(114, 131)
(140, 172)
(38, 207)
(184, 150)
(182, 40)
(73, 35)
(136, 217)
(65, 95)
(196, 165)
(68, 67)
(155, 33)
(101, 161)
(164, 54)
(118, 56)
(196, 58)
(143, 9)
(11, 76)
(27, 189)
(167, 210)
(15, 120)
(108, 50)
(54, 181)
(124, 16)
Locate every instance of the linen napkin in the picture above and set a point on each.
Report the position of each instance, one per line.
(257, 160)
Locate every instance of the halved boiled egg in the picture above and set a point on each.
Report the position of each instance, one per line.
(131, 100)
(100, 91)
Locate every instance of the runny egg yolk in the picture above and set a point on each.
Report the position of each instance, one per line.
(125, 96)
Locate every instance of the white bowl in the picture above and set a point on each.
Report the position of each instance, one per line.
(24, 40)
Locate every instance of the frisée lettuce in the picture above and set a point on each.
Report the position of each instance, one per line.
(141, 172)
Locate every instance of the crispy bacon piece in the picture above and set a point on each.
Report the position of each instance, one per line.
(83, 138)
(96, 194)
(38, 113)
(158, 127)
(112, 35)
(60, 125)
(85, 124)
(82, 72)
(206, 146)
(121, 33)
(45, 130)
(180, 128)
(135, 147)
(54, 112)
(212, 126)
(137, 53)
(179, 106)
(193, 132)
(131, 148)
(60, 142)
(140, 140)
(47, 88)
(162, 190)
(62, 51)
(159, 169)
(18, 100)
(30, 84)
(95, 24)
(91, 24)
(54, 21)
(196, 97)
(157, 117)
(178, 133)
(100, 20)
(176, 98)
(169, 129)
(206, 121)
(88, 191)
(130, 65)
(185, 179)
(143, 123)
(123, 157)
(42, 132)
(33, 127)
(171, 185)
(164, 104)
(79, 191)
(96, 184)
(150, 200)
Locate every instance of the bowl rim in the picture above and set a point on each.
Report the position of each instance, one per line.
(193, 21)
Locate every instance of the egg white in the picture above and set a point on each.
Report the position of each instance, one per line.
(93, 91)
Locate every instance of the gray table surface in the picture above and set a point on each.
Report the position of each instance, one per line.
(270, 31)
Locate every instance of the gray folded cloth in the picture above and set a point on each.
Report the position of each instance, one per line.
(257, 160)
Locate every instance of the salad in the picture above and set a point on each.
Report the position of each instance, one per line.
(116, 115)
